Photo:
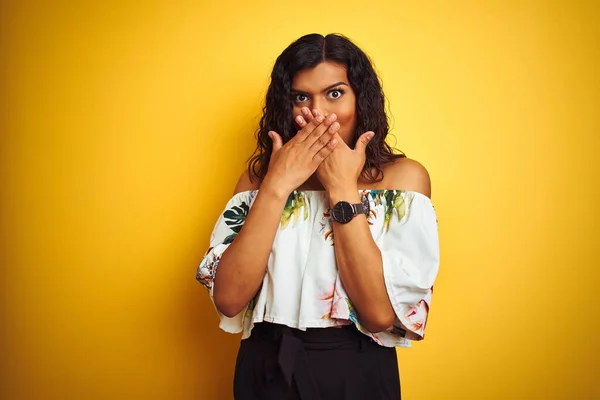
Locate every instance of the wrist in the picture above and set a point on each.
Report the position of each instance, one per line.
(277, 192)
(348, 193)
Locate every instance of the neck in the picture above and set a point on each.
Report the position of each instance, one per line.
(312, 183)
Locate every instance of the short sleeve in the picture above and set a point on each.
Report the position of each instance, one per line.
(226, 229)
(411, 257)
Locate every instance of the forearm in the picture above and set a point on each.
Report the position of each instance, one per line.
(360, 267)
(242, 266)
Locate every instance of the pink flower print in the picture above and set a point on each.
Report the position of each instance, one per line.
(416, 317)
(206, 272)
(334, 307)
(376, 339)
(372, 216)
(326, 227)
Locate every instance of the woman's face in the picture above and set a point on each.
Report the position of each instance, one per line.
(326, 88)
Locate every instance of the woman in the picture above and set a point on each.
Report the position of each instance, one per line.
(325, 256)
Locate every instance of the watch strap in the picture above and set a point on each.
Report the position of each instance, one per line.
(359, 208)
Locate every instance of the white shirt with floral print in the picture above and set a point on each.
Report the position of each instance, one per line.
(302, 287)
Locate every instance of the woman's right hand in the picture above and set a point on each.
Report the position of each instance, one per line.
(293, 163)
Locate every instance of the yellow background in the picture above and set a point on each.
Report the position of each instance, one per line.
(126, 125)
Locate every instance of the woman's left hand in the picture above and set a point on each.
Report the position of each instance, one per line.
(340, 171)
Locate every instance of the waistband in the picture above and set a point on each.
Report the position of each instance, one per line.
(344, 334)
(293, 343)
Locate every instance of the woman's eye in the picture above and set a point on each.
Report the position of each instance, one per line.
(300, 98)
(336, 94)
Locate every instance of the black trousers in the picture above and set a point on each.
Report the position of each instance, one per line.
(280, 363)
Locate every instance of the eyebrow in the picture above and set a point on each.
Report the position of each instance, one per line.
(324, 90)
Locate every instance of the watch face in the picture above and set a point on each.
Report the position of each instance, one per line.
(342, 212)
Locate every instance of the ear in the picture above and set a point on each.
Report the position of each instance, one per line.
(363, 141)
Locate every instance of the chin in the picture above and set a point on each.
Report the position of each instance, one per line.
(347, 138)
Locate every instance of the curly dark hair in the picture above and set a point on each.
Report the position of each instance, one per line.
(307, 52)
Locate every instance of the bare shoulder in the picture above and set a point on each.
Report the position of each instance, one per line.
(245, 183)
(407, 174)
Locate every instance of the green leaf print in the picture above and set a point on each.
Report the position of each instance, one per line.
(236, 215)
(296, 200)
(235, 218)
(395, 201)
(352, 313)
(376, 196)
(251, 305)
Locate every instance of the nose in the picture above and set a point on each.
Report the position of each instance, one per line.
(320, 105)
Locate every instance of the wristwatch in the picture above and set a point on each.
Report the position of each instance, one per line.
(343, 212)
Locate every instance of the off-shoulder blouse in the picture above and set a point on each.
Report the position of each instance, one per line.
(302, 287)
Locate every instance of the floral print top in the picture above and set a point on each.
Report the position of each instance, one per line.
(302, 287)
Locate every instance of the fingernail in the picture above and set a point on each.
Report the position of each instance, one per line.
(334, 142)
(299, 119)
(334, 127)
(305, 111)
(331, 117)
(319, 118)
